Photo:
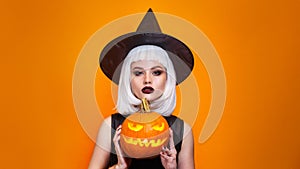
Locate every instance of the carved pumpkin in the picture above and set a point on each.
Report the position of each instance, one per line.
(144, 134)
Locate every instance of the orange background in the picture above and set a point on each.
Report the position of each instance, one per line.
(257, 41)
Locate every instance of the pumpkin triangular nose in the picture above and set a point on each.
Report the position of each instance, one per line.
(149, 23)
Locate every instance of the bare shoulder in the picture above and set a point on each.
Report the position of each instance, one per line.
(104, 134)
(186, 155)
(103, 145)
(107, 120)
(187, 130)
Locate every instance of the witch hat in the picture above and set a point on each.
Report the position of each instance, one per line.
(147, 33)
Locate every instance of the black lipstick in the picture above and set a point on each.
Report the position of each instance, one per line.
(147, 90)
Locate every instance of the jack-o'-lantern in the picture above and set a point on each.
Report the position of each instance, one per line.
(144, 133)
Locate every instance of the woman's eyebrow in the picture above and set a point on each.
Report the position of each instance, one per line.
(155, 67)
(139, 68)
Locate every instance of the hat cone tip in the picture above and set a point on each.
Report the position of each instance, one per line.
(149, 23)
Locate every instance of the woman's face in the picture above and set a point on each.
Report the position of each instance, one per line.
(148, 79)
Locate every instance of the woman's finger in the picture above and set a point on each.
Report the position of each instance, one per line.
(172, 146)
(165, 156)
(117, 145)
(168, 152)
(117, 134)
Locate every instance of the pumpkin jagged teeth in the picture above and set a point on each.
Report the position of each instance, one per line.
(130, 141)
(159, 142)
(144, 142)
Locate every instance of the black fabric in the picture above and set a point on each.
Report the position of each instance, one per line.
(174, 122)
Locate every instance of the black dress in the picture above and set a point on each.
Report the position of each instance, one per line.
(150, 163)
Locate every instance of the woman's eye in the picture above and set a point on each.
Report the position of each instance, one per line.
(137, 73)
(157, 72)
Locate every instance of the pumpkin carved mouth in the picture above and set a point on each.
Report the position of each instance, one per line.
(144, 142)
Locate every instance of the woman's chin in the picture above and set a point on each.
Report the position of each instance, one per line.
(150, 97)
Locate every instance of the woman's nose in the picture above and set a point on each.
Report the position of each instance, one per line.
(147, 78)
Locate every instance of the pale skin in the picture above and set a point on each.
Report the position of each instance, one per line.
(153, 74)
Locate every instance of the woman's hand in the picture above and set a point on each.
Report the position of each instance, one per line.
(123, 163)
(168, 156)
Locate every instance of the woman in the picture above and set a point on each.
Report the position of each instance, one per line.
(152, 64)
(147, 72)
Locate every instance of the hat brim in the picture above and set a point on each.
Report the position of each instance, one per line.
(113, 54)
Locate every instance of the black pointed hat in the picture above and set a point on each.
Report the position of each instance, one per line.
(147, 33)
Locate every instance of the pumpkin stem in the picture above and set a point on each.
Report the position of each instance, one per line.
(145, 106)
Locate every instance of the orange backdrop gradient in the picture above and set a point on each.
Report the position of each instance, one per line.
(258, 44)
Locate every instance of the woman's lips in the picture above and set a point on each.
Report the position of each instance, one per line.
(147, 90)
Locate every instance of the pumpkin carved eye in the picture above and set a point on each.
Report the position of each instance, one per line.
(135, 127)
(159, 127)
